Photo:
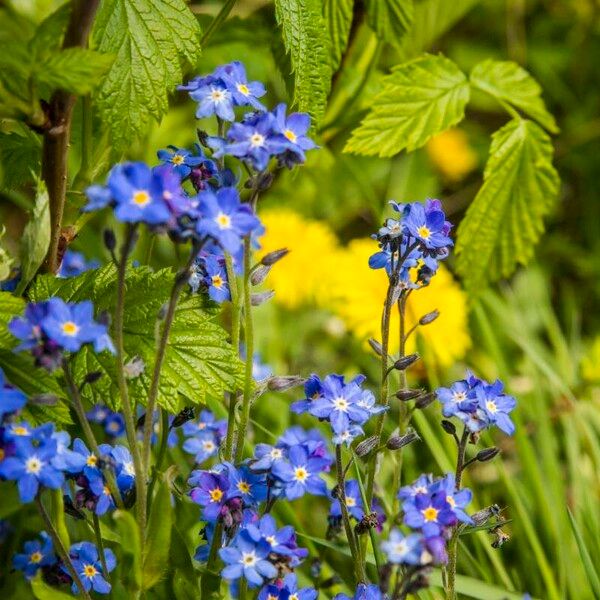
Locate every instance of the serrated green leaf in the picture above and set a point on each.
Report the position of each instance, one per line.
(48, 36)
(151, 40)
(75, 70)
(505, 221)
(5, 259)
(306, 41)
(42, 591)
(338, 19)
(420, 99)
(20, 157)
(36, 237)
(390, 19)
(508, 82)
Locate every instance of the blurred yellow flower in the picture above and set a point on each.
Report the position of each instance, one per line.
(590, 363)
(451, 154)
(300, 276)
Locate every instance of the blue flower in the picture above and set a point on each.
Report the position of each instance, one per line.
(31, 467)
(364, 591)
(122, 463)
(182, 161)
(300, 473)
(203, 445)
(28, 327)
(74, 263)
(214, 277)
(401, 549)
(209, 491)
(114, 425)
(287, 589)
(265, 456)
(83, 460)
(458, 398)
(494, 405)
(354, 502)
(11, 398)
(421, 486)
(430, 512)
(458, 500)
(36, 554)
(206, 421)
(427, 224)
(293, 128)
(98, 414)
(225, 218)
(250, 487)
(87, 564)
(213, 98)
(243, 92)
(247, 558)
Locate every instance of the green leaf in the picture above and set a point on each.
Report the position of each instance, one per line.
(588, 564)
(338, 19)
(505, 221)
(75, 70)
(42, 591)
(130, 563)
(10, 306)
(306, 41)
(20, 157)
(420, 99)
(510, 83)
(36, 237)
(156, 549)
(151, 40)
(48, 36)
(5, 259)
(390, 19)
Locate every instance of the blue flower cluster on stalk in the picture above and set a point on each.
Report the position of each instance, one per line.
(88, 565)
(36, 555)
(204, 436)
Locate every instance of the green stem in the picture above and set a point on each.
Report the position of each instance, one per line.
(162, 451)
(77, 405)
(243, 589)
(216, 22)
(58, 516)
(140, 474)
(60, 548)
(208, 579)
(341, 490)
(83, 176)
(100, 545)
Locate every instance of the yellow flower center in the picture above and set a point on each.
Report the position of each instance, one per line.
(293, 597)
(257, 140)
(491, 406)
(19, 430)
(243, 89)
(301, 474)
(271, 539)
(35, 557)
(215, 495)
(217, 281)
(244, 487)
(217, 95)
(400, 548)
(177, 159)
(90, 571)
(70, 328)
(141, 197)
(223, 221)
(430, 514)
(249, 558)
(450, 500)
(276, 453)
(350, 501)
(341, 404)
(2, 454)
(33, 465)
(290, 135)
(424, 232)
(459, 397)
(208, 445)
(91, 460)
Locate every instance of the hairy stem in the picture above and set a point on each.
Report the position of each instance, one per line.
(60, 548)
(57, 133)
(162, 451)
(100, 545)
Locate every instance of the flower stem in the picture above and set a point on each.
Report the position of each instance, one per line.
(216, 22)
(100, 545)
(162, 450)
(341, 491)
(60, 548)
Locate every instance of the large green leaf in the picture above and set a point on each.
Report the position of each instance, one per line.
(338, 19)
(510, 83)
(151, 39)
(20, 155)
(390, 19)
(130, 563)
(305, 38)
(505, 220)
(419, 99)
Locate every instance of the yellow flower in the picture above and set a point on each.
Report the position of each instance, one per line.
(302, 274)
(451, 154)
(356, 293)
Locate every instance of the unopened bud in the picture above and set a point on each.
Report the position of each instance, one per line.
(448, 427)
(92, 377)
(134, 368)
(259, 275)
(283, 383)
(484, 515)
(110, 241)
(187, 414)
(104, 318)
(376, 346)
(44, 400)
(425, 400)
(403, 363)
(429, 317)
(272, 257)
(366, 446)
(258, 299)
(487, 454)
(406, 395)
(395, 442)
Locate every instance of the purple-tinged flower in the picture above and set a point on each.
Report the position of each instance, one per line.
(87, 563)
(249, 486)
(287, 589)
(225, 218)
(312, 440)
(248, 559)
(300, 473)
(180, 160)
(243, 92)
(431, 513)
(11, 398)
(31, 467)
(435, 550)
(213, 276)
(313, 389)
(209, 491)
(74, 263)
(458, 500)
(354, 501)
(427, 224)
(364, 591)
(403, 550)
(103, 501)
(36, 555)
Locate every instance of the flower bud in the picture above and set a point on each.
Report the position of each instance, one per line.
(187, 414)
(425, 400)
(134, 368)
(487, 454)
(429, 317)
(259, 275)
(406, 395)
(110, 241)
(395, 442)
(258, 299)
(283, 383)
(272, 257)
(366, 446)
(44, 400)
(376, 346)
(92, 377)
(403, 363)
(485, 514)
(448, 427)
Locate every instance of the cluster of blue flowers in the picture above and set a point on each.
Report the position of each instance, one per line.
(412, 245)
(345, 405)
(50, 328)
(478, 404)
(112, 422)
(204, 436)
